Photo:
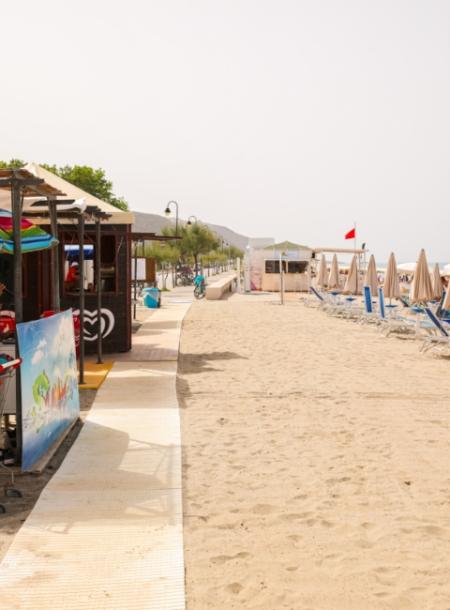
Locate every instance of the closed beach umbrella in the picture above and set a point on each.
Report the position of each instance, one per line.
(322, 275)
(371, 277)
(391, 287)
(32, 237)
(333, 278)
(421, 287)
(446, 303)
(437, 283)
(351, 284)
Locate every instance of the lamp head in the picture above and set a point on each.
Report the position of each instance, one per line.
(167, 211)
(189, 222)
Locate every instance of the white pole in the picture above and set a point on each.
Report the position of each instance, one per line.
(247, 283)
(281, 281)
(238, 273)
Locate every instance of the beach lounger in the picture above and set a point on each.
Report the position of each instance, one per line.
(440, 342)
(370, 316)
(323, 300)
(319, 300)
(404, 325)
(394, 323)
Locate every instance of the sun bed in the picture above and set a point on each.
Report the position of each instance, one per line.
(440, 342)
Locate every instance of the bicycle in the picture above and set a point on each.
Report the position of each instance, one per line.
(199, 291)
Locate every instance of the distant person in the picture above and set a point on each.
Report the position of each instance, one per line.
(72, 277)
(200, 285)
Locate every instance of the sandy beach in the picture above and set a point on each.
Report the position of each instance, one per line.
(316, 462)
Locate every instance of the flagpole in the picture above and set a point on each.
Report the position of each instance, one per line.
(354, 247)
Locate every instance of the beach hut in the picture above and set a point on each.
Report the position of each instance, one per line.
(115, 265)
(265, 265)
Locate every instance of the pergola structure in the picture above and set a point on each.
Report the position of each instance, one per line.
(21, 183)
(79, 215)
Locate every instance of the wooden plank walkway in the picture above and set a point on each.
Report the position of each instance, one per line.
(107, 531)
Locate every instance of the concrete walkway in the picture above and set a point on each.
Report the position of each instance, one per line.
(106, 532)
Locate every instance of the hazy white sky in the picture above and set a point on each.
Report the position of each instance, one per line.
(284, 118)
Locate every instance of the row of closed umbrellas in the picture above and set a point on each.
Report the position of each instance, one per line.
(425, 286)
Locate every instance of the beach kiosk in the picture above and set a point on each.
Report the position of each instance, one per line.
(265, 267)
(115, 265)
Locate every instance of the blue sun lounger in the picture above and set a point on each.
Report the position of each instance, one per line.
(441, 340)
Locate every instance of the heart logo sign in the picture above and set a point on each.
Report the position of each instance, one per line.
(107, 323)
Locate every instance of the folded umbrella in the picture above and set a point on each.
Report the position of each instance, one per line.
(351, 284)
(421, 288)
(333, 278)
(391, 287)
(32, 237)
(321, 281)
(436, 281)
(371, 276)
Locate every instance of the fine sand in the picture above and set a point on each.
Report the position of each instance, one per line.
(316, 462)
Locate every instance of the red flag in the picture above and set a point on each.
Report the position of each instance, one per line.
(351, 234)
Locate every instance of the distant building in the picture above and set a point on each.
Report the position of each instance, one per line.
(264, 267)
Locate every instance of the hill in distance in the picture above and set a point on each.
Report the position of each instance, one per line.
(155, 223)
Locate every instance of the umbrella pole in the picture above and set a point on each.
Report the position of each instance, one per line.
(81, 284)
(54, 253)
(16, 208)
(98, 248)
(17, 220)
(135, 279)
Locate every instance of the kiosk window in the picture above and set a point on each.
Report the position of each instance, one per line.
(273, 266)
(297, 266)
(108, 271)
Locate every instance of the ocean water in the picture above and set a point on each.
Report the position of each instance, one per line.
(430, 264)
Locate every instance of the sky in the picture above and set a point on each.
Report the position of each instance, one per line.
(290, 119)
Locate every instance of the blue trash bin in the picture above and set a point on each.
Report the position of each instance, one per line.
(152, 298)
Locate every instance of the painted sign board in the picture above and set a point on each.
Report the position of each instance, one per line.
(49, 383)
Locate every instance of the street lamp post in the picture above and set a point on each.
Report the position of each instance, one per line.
(168, 211)
(189, 221)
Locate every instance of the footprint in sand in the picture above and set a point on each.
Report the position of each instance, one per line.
(234, 587)
(221, 559)
(263, 509)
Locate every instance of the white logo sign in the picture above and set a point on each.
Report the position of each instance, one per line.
(91, 322)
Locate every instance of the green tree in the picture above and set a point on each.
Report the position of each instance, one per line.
(12, 164)
(196, 239)
(162, 252)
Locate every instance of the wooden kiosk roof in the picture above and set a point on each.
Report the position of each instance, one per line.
(32, 186)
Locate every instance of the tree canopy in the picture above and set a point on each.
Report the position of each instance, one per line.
(91, 180)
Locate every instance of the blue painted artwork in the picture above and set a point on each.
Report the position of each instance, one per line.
(49, 383)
